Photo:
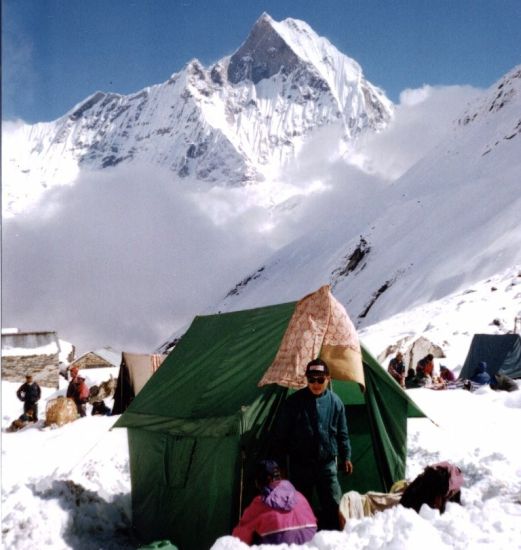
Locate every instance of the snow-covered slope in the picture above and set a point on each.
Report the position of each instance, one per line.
(74, 492)
(232, 123)
(449, 221)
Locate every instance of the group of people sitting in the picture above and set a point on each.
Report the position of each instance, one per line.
(424, 376)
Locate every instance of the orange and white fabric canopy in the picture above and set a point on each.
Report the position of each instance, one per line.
(319, 327)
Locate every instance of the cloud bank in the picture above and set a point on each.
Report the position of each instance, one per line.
(422, 118)
(126, 256)
(120, 258)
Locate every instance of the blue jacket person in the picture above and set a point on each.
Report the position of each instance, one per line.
(311, 434)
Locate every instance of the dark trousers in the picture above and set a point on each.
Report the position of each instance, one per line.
(80, 406)
(33, 407)
(323, 478)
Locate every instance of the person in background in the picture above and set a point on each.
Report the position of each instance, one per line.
(446, 374)
(99, 408)
(438, 484)
(425, 369)
(481, 376)
(30, 394)
(311, 432)
(411, 380)
(425, 366)
(502, 382)
(396, 369)
(71, 387)
(279, 514)
(80, 394)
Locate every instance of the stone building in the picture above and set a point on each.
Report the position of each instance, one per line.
(101, 358)
(35, 353)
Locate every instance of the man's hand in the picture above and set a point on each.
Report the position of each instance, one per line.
(347, 467)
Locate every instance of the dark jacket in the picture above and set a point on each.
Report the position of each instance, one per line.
(503, 382)
(29, 393)
(411, 380)
(435, 486)
(279, 515)
(312, 429)
(397, 370)
(481, 376)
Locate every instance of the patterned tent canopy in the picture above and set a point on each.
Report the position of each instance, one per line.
(319, 326)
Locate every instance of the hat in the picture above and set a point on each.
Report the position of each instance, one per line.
(266, 469)
(317, 366)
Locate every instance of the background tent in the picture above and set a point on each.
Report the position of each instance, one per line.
(201, 422)
(502, 352)
(134, 372)
(419, 349)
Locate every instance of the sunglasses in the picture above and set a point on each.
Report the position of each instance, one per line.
(316, 379)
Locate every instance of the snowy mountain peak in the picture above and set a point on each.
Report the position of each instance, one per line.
(263, 55)
(458, 222)
(237, 122)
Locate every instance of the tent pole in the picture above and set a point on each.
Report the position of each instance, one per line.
(241, 487)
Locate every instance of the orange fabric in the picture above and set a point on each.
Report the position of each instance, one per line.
(319, 327)
(428, 369)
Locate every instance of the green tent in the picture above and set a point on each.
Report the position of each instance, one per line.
(201, 422)
(501, 352)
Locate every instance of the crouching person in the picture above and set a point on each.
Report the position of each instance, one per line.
(279, 514)
(435, 486)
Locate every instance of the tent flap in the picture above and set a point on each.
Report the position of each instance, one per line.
(321, 327)
(205, 427)
(134, 372)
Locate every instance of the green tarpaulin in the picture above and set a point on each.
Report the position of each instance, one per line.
(201, 422)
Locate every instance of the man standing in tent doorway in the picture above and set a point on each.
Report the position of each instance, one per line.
(312, 433)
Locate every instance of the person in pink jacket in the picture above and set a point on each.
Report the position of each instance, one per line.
(279, 514)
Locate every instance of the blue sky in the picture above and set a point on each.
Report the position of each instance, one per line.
(57, 52)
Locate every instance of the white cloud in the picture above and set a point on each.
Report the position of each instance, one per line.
(123, 257)
(410, 97)
(126, 256)
(421, 120)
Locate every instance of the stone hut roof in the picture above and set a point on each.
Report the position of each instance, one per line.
(98, 358)
(19, 344)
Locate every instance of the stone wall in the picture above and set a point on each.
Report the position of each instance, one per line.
(44, 368)
(91, 361)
